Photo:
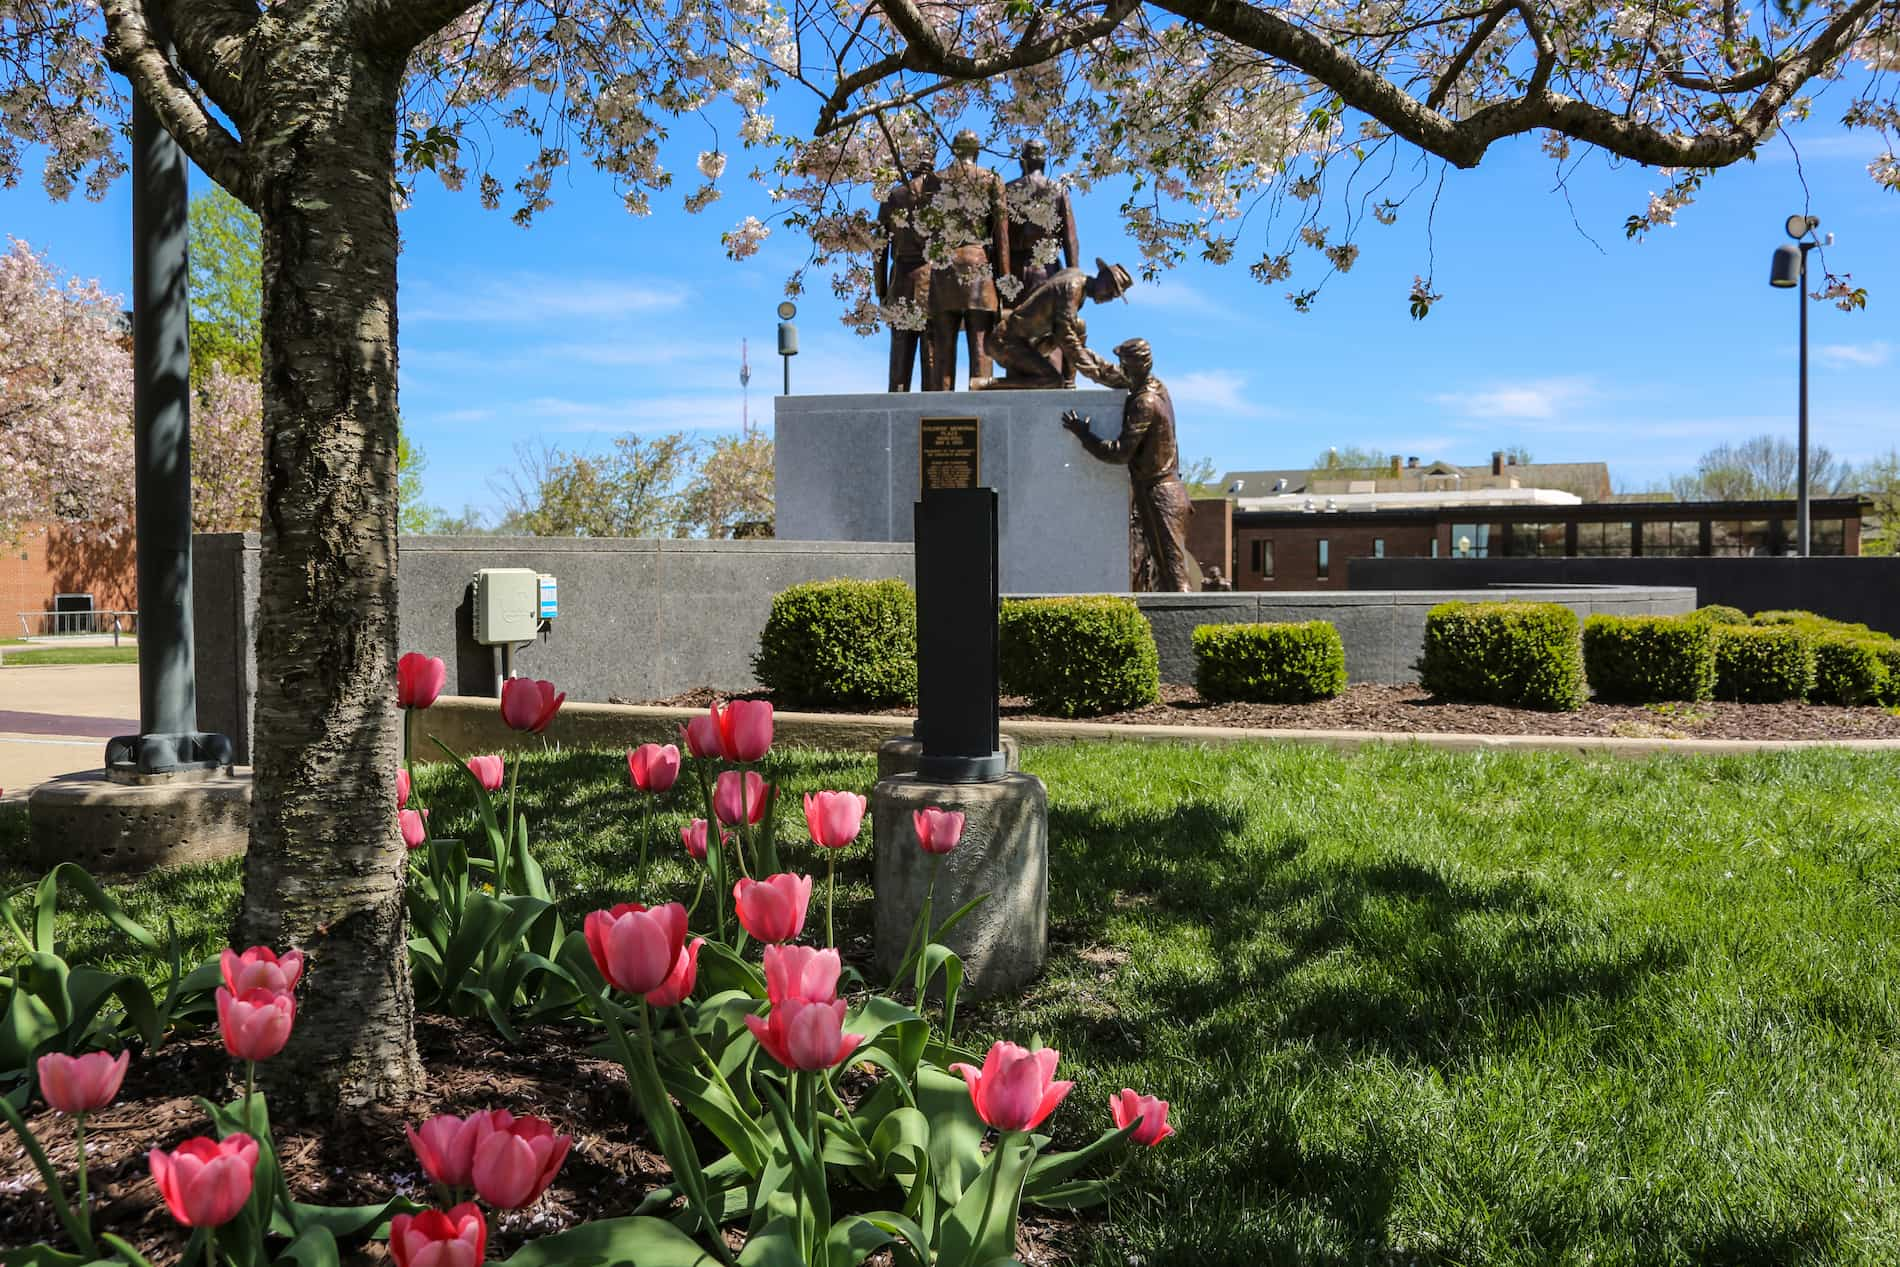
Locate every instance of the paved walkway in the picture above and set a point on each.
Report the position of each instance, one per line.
(55, 719)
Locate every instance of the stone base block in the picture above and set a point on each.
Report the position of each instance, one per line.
(899, 756)
(1004, 853)
(107, 826)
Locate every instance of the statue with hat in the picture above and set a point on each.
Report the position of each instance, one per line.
(971, 222)
(901, 275)
(1146, 446)
(1043, 340)
(1041, 224)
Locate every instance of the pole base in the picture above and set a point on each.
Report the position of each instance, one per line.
(167, 754)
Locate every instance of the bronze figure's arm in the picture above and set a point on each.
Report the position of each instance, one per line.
(1121, 450)
(999, 217)
(1101, 370)
(1071, 246)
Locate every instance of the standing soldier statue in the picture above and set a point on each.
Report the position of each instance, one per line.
(1146, 446)
(968, 212)
(1038, 213)
(903, 281)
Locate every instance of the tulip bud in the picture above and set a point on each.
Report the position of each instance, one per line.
(772, 909)
(419, 680)
(80, 1084)
(834, 818)
(737, 796)
(745, 729)
(205, 1182)
(636, 948)
(1016, 1088)
(529, 704)
(653, 767)
(260, 968)
(1153, 1113)
(434, 1239)
(488, 772)
(257, 1024)
(515, 1164)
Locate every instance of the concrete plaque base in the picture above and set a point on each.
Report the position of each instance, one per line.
(1004, 853)
(107, 826)
(900, 756)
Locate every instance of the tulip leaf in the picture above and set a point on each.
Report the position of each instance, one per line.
(722, 969)
(636, 1239)
(809, 1169)
(314, 1247)
(956, 1132)
(982, 1227)
(44, 1255)
(346, 1220)
(775, 1246)
(855, 1239)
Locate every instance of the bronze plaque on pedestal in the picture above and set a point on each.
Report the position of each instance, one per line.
(949, 454)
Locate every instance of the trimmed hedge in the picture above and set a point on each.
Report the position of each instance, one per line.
(1526, 655)
(1763, 664)
(1645, 659)
(841, 642)
(1720, 614)
(1852, 670)
(1079, 656)
(1289, 663)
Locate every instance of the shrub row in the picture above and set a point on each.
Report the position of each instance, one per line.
(1774, 657)
(1079, 656)
(1525, 655)
(1269, 663)
(1640, 659)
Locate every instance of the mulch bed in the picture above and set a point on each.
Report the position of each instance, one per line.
(365, 1158)
(1409, 710)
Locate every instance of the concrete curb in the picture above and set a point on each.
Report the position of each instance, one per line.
(471, 725)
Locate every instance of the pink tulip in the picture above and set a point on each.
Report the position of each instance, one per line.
(805, 1035)
(415, 827)
(745, 729)
(260, 968)
(434, 1239)
(80, 1084)
(1128, 1106)
(679, 982)
(636, 948)
(487, 771)
(402, 788)
(653, 767)
(205, 1182)
(772, 909)
(1016, 1088)
(834, 817)
(515, 1164)
(446, 1145)
(257, 1023)
(799, 972)
(701, 737)
(529, 704)
(419, 680)
(727, 791)
(938, 830)
(693, 836)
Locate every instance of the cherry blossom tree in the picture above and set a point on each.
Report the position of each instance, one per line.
(318, 114)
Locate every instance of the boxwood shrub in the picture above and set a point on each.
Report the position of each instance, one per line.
(1289, 663)
(1763, 664)
(1853, 670)
(1644, 659)
(841, 642)
(1526, 655)
(1079, 656)
(1721, 614)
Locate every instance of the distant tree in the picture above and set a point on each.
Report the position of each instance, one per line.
(633, 491)
(732, 486)
(1763, 467)
(417, 516)
(227, 456)
(227, 270)
(1351, 458)
(1202, 478)
(1880, 526)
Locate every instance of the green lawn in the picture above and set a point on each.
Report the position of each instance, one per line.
(14, 658)
(1419, 1007)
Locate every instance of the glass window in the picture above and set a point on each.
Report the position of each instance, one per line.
(1672, 538)
(1740, 538)
(1603, 541)
(1825, 536)
(1378, 547)
(1533, 541)
(1263, 557)
(1470, 541)
(1324, 558)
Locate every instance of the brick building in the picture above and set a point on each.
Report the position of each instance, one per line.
(44, 561)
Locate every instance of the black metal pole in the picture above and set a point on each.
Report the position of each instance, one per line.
(1801, 522)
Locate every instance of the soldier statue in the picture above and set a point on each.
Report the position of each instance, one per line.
(1146, 446)
(1039, 212)
(968, 210)
(902, 275)
(1043, 339)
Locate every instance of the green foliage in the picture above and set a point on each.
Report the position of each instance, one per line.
(636, 489)
(1643, 659)
(841, 642)
(1079, 656)
(1763, 664)
(1525, 655)
(1288, 663)
(226, 265)
(1720, 614)
(1853, 670)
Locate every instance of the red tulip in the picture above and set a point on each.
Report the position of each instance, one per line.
(834, 817)
(487, 771)
(415, 827)
(727, 791)
(446, 1145)
(260, 968)
(80, 1084)
(701, 737)
(693, 836)
(257, 1023)
(1128, 1106)
(679, 982)
(528, 704)
(636, 948)
(653, 767)
(205, 1182)
(402, 788)
(419, 680)
(434, 1239)
(515, 1164)
(938, 830)
(772, 909)
(804, 1035)
(1016, 1088)
(745, 729)
(799, 972)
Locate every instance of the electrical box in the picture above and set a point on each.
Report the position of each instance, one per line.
(511, 604)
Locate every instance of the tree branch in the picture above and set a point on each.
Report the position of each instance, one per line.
(132, 50)
(1436, 96)
(399, 26)
(211, 38)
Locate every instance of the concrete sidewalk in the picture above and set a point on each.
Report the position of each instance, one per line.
(55, 719)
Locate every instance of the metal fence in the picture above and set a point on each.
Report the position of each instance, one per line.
(60, 624)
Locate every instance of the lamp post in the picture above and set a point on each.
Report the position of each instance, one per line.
(787, 339)
(1789, 271)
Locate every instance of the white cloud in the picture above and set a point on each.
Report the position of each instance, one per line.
(1173, 296)
(1855, 355)
(1533, 398)
(529, 297)
(1208, 396)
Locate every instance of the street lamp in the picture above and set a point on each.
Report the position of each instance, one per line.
(1789, 271)
(787, 339)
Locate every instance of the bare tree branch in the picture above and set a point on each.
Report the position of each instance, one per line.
(1436, 96)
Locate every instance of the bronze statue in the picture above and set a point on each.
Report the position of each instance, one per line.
(1146, 446)
(1043, 341)
(1039, 212)
(973, 219)
(902, 275)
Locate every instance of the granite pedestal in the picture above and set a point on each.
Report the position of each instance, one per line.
(130, 825)
(900, 755)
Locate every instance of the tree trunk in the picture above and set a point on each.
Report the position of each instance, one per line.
(326, 866)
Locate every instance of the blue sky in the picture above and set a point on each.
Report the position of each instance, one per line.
(1643, 355)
